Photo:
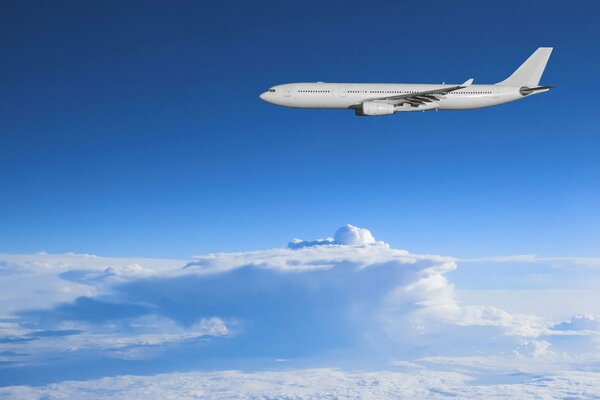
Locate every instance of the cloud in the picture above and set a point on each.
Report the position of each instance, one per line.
(44, 280)
(324, 383)
(580, 322)
(348, 235)
(353, 236)
(556, 262)
(144, 337)
(347, 301)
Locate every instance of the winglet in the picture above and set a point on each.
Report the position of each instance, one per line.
(468, 82)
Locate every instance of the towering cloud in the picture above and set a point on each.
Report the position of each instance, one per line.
(314, 303)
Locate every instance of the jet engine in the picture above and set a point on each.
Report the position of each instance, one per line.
(376, 108)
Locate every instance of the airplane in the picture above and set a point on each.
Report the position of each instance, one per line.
(374, 99)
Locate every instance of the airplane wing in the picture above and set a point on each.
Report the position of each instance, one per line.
(418, 98)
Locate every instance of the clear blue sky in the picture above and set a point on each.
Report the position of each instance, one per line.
(135, 128)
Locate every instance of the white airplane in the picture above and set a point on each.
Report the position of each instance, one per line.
(389, 98)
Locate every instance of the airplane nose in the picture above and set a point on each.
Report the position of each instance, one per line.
(263, 96)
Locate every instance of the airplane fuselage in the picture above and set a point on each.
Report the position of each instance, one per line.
(349, 95)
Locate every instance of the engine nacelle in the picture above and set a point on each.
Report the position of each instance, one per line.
(374, 108)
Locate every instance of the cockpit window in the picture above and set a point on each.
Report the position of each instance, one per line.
(272, 90)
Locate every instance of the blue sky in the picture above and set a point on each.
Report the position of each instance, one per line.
(148, 199)
(136, 129)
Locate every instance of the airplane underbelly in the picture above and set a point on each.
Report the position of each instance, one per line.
(324, 102)
(467, 103)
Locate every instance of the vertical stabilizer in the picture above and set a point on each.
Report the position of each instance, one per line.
(530, 73)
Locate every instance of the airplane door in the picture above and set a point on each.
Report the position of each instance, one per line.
(343, 92)
(286, 91)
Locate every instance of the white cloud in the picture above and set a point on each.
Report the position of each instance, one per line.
(42, 280)
(536, 348)
(412, 304)
(580, 322)
(319, 384)
(299, 243)
(69, 261)
(310, 301)
(139, 338)
(353, 236)
(348, 235)
(551, 304)
(12, 330)
(142, 343)
(557, 262)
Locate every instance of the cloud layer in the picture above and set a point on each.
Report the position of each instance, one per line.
(349, 301)
(319, 384)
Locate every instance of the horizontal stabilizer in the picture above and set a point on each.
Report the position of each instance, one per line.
(528, 90)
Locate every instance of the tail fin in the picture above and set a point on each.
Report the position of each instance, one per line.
(530, 72)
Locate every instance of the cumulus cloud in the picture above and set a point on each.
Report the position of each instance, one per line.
(310, 302)
(145, 337)
(580, 322)
(44, 280)
(354, 236)
(348, 235)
